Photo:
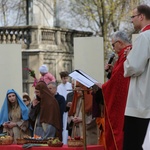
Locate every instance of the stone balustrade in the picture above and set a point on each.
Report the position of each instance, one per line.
(33, 37)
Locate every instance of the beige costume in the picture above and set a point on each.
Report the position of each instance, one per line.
(76, 111)
(14, 115)
(21, 129)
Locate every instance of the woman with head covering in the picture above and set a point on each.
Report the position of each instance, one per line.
(48, 122)
(76, 112)
(14, 115)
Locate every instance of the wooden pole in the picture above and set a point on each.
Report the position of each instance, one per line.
(83, 121)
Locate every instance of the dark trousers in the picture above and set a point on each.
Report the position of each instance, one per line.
(1, 129)
(134, 132)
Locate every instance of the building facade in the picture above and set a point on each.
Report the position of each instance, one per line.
(42, 45)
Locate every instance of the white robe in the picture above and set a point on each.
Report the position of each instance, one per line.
(146, 144)
(137, 66)
(64, 89)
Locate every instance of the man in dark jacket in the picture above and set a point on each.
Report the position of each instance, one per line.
(52, 86)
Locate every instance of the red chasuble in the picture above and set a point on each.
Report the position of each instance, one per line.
(115, 93)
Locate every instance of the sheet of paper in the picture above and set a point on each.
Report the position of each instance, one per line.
(86, 75)
(83, 78)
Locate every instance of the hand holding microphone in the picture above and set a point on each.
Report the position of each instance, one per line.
(109, 65)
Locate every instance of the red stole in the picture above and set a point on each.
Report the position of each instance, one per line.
(115, 93)
(146, 28)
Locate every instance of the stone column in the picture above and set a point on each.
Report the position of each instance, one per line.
(42, 13)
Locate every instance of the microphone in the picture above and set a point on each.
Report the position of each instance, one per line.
(110, 60)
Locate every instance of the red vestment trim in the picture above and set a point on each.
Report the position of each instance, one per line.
(146, 28)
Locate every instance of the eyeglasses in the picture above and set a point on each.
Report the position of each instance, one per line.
(113, 44)
(25, 100)
(134, 16)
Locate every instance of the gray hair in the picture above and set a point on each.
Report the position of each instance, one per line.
(53, 83)
(120, 35)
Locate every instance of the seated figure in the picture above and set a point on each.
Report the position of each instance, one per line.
(14, 116)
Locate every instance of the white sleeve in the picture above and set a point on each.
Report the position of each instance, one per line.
(137, 59)
(59, 89)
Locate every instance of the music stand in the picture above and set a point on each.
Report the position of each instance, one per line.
(88, 82)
